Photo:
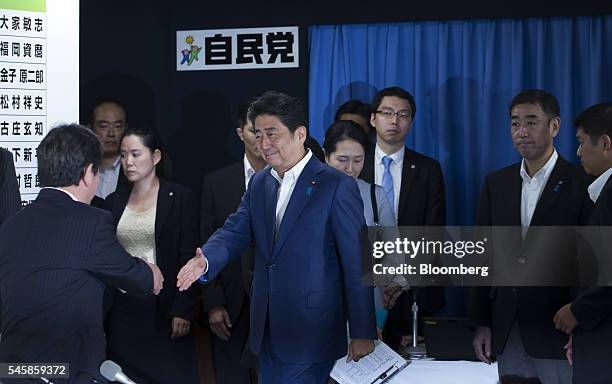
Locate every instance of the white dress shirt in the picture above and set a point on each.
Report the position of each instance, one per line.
(532, 189)
(597, 186)
(396, 172)
(249, 171)
(63, 190)
(108, 179)
(287, 185)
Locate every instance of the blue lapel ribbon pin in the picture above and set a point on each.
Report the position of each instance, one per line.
(310, 188)
(557, 187)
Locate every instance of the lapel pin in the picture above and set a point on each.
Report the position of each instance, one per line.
(310, 188)
(558, 186)
(412, 166)
(171, 194)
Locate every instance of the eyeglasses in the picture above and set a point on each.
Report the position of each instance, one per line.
(389, 114)
(529, 123)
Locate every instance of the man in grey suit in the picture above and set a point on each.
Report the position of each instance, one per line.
(10, 199)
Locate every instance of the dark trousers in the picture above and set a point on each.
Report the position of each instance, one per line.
(233, 359)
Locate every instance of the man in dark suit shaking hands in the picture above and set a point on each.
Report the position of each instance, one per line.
(56, 257)
(589, 317)
(306, 219)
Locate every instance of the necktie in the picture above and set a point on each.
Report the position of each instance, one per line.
(387, 181)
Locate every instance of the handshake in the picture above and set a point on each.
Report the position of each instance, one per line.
(158, 278)
(189, 274)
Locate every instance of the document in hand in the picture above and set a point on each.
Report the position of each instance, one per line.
(375, 368)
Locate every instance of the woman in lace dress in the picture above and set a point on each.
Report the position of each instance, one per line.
(156, 220)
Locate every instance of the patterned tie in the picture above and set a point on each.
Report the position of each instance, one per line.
(387, 181)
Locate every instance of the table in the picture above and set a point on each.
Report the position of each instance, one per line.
(446, 372)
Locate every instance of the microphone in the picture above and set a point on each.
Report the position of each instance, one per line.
(112, 372)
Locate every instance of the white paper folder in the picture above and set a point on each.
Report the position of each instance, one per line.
(376, 368)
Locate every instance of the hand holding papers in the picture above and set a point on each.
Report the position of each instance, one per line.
(375, 368)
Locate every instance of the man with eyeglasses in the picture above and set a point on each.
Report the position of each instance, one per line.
(514, 323)
(415, 188)
(108, 121)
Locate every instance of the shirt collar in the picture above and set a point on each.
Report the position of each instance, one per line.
(397, 157)
(248, 168)
(295, 171)
(63, 190)
(597, 186)
(114, 167)
(543, 172)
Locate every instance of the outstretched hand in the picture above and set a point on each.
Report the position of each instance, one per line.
(191, 271)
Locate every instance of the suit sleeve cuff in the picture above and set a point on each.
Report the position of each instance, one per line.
(204, 277)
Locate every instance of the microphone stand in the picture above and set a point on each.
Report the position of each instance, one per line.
(414, 351)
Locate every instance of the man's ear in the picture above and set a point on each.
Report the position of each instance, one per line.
(555, 123)
(301, 133)
(88, 175)
(606, 142)
(239, 133)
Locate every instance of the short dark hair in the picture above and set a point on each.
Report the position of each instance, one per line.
(344, 130)
(92, 113)
(595, 121)
(243, 110)
(354, 107)
(64, 154)
(539, 97)
(288, 109)
(390, 92)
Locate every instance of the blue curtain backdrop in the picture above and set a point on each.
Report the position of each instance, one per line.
(463, 75)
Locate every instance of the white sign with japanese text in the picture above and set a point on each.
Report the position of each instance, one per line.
(39, 78)
(245, 48)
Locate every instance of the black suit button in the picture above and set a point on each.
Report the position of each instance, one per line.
(521, 260)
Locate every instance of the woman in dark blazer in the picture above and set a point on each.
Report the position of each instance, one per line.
(156, 220)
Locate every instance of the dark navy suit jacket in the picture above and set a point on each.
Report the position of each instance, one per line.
(56, 257)
(592, 338)
(306, 282)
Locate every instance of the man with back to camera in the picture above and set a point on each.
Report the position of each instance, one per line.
(307, 220)
(588, 319)
(542, 190)
(108, 121)
(415, 188)
(56, 257)
(226, 297)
